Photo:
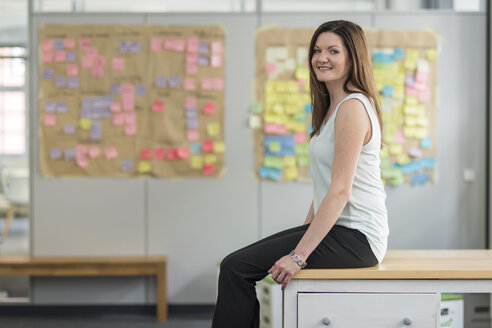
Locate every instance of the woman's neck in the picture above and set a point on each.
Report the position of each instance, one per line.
(337, 94)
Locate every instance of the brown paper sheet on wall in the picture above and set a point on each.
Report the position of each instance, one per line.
(120, 101)
(405, 157)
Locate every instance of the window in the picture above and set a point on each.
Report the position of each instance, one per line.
(12, 101)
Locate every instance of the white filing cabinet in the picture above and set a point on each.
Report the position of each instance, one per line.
(368, 310)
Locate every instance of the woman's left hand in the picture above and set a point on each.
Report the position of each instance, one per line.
(283, 270)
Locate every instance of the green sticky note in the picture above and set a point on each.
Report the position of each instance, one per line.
(273, 162)
(256, 108)
(303, 160)
(274, 146)
(302, 149)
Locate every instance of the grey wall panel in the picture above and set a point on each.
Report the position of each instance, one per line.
(285, 205)
(76, 216)
(196, 222)
(451, 213)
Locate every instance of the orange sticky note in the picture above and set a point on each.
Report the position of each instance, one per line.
(207, 146)
(72, 69)
(159, 153)
(209, 108)
(158, 106)
(49, 120)
(119, 64)
(145, 154)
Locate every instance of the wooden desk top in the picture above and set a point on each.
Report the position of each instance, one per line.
(416, 264)
(69, 260)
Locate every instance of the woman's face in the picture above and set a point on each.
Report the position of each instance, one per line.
(330, 59)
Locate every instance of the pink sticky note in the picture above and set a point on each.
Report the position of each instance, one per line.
(207, 83)
(100, 60)
(159, 153)
(191, 69)
(91, 51)
(47, 45)
(118, 64)
(111, 152)
(128, 96)
(131, 129)
(216, 60)
(98, 71)
(410, 91)
(158, 106)
(118, 119)
(300, 137)
(270, 67)
(207, 146)
(190, 102)
(69, 43)
(116, 107)
(399, 137)
(60, 55)
(192, 135)
(216, 47)
(145, 154)
(82, 161)
(218, 84)
(209, 108)
(87, 61)
(421, 77)
(183, 153)
(189, 84)
(84, 43)
(130, 118)
(191, 58)
(208, 169)
(172, 154)
(168, 44)
(424, 95)
(272, 128)
(155, 44)
(72, 69)
(94, 151)
(193, 44)
(49, 119)
(48, 56)
(179, 45)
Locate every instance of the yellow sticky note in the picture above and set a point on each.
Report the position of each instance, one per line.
(275, 162)
(219, 147)
(303, 160)
(213, 129)
(289, 161)
(196, 162)
(402, 159)
(274, 146)
(395, 149)
(302, 73)
(291, 173)
(411, 100)
(432, 54)
(143, 166)
(409, 131)
(210, 158)
(420, 132)
(411, 57)
(383, 152)
(85, 123)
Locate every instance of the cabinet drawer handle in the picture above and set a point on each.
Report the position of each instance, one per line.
(407, 321)
(326, 321)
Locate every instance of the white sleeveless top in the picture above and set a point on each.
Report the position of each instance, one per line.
(366, 209)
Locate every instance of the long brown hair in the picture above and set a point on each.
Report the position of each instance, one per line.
(360, 75)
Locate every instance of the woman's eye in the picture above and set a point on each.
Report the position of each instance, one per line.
(317, 51)
(334, 52)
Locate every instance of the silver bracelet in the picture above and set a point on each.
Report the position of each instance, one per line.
(296, 258)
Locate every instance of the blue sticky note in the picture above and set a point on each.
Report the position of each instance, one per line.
(267, 172)
(55, 153)
(191, 112)
(134, 46)
(287, 145)
(419, 178)
(126, 164)
(203, 48)
(398, 53)
(388, 90)
(70, 56)
(50, 107)
(96, 130)
(195, 147)
(48, 73)
(73, 82)
(160, 82)
(140, 89)
(60, 81)
(377, 56)
(203, 60)
(61, 107)
(58, 44)
(174, 81)
(116, 89)
(428, 162)
(192, 123)
(308, 108)
(69, 153)
(69, 129)
(426, 143)
(124, 46)
(310, 129)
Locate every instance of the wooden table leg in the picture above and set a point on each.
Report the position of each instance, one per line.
(161, 301)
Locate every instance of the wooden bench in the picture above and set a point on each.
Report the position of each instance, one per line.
(404, 290)
(92, 266)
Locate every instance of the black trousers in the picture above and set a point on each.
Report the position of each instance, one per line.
(237, 306)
